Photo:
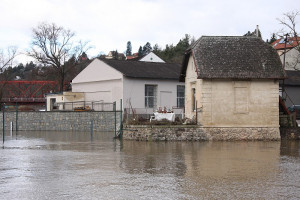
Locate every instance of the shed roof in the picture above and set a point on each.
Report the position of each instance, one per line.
(151, 70)
(237, 57)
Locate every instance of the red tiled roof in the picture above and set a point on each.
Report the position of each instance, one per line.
(131, 57)
(292, 42)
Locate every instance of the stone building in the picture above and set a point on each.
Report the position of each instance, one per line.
(232, 86)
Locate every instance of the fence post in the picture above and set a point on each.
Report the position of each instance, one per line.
(121, 120)
(115, 111)
(17, 117)
(3, 133)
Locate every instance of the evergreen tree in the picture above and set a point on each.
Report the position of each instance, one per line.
(129, 49)
(147, 48)
(156, 49)
(116, 55)
(140, 53)
(273, 39)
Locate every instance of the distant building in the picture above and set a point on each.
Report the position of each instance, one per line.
(115, 55)
(292, 55)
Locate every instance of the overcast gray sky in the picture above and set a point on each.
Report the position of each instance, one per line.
(109, 24)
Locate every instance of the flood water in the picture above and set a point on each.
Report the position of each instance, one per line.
(65, 165)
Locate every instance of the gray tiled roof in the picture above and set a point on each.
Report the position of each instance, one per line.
(151, 70)
(236, 57)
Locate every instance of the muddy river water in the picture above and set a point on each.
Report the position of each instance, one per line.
(65, 165)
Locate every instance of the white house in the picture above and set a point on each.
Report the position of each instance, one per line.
(143, 86)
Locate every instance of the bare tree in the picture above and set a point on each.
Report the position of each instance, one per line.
(7, 56)
(291, 37)
(54, 46)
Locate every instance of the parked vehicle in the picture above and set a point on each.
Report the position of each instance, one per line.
(295, 108)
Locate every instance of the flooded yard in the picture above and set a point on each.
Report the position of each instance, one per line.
(70, 165)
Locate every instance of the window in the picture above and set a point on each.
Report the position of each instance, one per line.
(150, 96)
(193, 99)
(180, 96)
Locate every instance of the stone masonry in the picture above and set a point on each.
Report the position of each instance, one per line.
(61, 121)
(197, 133)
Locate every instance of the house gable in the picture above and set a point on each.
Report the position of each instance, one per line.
(97, 71)
(151, 57)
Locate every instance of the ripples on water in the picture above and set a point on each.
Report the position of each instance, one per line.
(53, 165)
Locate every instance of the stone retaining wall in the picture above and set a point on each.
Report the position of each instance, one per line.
(290, 133)
(61, 121)
(197, 133)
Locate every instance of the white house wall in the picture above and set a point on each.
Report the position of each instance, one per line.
(106, 91)
(134, 94)
(99, 82)
(151, 57)
(97, 71)
(292, 59)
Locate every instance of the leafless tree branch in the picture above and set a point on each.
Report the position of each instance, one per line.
(54, 45)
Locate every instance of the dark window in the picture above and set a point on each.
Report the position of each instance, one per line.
(150, 96)
(180, 96)
(193, 99)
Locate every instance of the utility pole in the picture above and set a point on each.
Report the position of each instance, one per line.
(283, 85)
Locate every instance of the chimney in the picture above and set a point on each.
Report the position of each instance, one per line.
(256, 31)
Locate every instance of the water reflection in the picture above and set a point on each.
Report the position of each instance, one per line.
(70, 165)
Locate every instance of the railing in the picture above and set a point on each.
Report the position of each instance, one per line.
(147, 112)
(84, 106)
(14, 100)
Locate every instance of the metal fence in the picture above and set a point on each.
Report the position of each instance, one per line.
(146, 113)
(83, 106)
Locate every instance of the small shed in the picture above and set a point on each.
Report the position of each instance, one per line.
(233, 82)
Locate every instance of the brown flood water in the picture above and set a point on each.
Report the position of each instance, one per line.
(65, 165)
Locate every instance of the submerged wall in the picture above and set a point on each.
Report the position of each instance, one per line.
(61, 121)
(197, 133)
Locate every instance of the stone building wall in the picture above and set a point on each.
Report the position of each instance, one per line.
(197, 133)
(61, 121)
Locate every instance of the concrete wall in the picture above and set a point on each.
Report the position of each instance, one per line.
(61, 121)
(134, 93)
(232, 103)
